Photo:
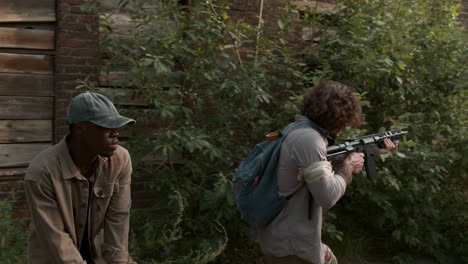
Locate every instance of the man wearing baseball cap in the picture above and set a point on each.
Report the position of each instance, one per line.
(78, 191)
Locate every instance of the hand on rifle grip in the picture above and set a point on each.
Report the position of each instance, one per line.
(355, 161)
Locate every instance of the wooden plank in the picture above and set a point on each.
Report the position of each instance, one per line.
(27, 38)
(123, 96)
(120, 17)
(176, 158)
(26, 108)
(143, 127)
(156, 157)
(112, 78)
(25, 63)
(121, 23)
(30, 25)
(26, 84)
(19, 155)
(27, 11)
(122, 78)
(112, 5)
(28, 51)
(21, 131)
(309, 33)
(7, 174)
(318, 6)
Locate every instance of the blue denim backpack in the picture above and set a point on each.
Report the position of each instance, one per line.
(255, 181)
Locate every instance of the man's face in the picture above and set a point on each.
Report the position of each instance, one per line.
(100, 140)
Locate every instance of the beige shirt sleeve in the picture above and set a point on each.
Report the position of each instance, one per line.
(308, 149)
(49, 223)
(117, 219)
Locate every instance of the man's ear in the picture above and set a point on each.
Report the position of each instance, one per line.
(79, 128)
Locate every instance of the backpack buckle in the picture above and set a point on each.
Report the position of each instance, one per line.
(273, 135)
(255, 181)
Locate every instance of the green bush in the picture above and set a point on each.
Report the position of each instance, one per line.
(409, 60)
(13, 237)
(214, 92)
(215, 86)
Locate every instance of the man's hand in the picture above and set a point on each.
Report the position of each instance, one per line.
(355, 161)
(389, 147)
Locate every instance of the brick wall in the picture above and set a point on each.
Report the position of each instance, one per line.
(249, 11)
(12, 191)
(77, 41)
(464, 13)
(76, 58)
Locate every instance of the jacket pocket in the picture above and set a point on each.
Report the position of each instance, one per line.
(106, 190)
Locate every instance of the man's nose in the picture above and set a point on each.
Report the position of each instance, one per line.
(114, 133)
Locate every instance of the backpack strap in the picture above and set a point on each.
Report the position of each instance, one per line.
(289, 128)
(283, 134)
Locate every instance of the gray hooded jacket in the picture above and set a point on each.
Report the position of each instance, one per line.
(293, 232)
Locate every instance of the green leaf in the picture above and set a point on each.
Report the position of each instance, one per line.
(409, 143)
(229, 46)
(399, 154)
(280, 24)
(146, 62)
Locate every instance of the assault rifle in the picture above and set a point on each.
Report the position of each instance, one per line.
(366, 145)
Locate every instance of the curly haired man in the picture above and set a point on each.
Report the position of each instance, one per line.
(310, 182)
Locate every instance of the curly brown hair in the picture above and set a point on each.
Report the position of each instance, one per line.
(332, 106)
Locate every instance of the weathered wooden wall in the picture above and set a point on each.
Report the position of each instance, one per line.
(45, 46)
(27, 47)
(27, 42)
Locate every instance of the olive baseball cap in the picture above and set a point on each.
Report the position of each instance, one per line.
(97, 109)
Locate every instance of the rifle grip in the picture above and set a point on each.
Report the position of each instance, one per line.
(369, 163)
